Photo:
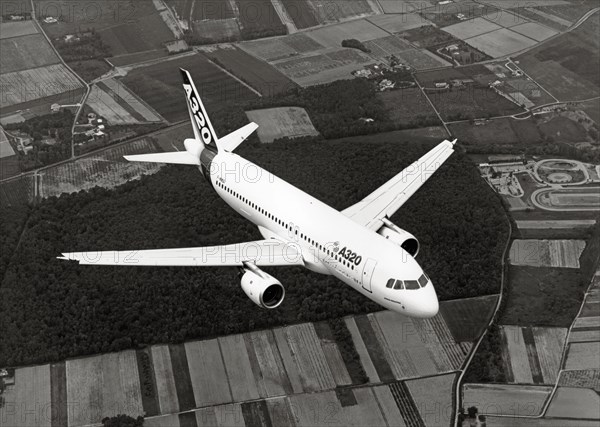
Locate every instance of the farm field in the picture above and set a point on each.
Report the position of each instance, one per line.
(546, 253)
(506, 400)
(471, 28)
(25, 52)
(534, 31)
(17, 29)
(256, 73)
(125, 26)
(18, 191)
(207, 373)
(568, 73)
(433, 397)
(258, 19)
(166, 388)
(386, 46)
(214, 31)
(159, 85)
(404, 6)
(135, 58)
(238, 367)
(410, 347)
(309, 13)
(275, 123)
(537, 422)
(107, 170)
(323, 68)
(466, 318)
(273, 49)
(50, 80)
(105, 384)
(32, 390)
(582, 355)
(532, 290)
(587, 378)
(498, 131)
(421, 59)
(575, 403)
(532, 355)
(471, 102)
(408, 107)
(501, 42)
(113, 101)
(398, 23)
(333, 35)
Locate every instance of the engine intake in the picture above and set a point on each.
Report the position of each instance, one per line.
(262, 288)
(401, 237)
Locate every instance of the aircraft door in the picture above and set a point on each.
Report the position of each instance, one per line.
(367, 273)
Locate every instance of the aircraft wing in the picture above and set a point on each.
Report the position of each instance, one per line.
(262, 253)
(388, 198)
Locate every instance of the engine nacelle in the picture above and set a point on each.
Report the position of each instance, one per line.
(262, 288)
(401, 237)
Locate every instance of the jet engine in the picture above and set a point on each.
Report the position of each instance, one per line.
(401, 237)
(262, 288)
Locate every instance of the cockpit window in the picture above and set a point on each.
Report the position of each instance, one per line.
(390, 283)
(399, 284)
(423, 280)
(411, 284)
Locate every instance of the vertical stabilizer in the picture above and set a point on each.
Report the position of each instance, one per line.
(203, 129)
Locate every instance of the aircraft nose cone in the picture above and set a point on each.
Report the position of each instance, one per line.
(428, 305)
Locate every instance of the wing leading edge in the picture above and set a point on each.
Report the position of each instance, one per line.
(387, 199)
(261, 253)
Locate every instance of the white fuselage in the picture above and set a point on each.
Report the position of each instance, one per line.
(330, 242)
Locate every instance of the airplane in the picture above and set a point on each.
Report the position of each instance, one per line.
(358, 245)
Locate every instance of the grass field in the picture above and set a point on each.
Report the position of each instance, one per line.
(309, 13)
(49, 80)
(25, 52)
(258, 18)
(534, 31)
(500, 399)
(159, 86)
(223, 30)
(575, 403)
(275, 123)
(332, 36)
(17, 29)
(542, 296)
(567, 65)
(546, 253)
(258, 74)
(498, 131)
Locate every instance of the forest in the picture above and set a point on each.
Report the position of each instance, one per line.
(52, 309)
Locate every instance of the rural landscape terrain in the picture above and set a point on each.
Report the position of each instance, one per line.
(509, 227)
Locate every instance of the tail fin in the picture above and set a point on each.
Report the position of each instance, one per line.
(203, 129)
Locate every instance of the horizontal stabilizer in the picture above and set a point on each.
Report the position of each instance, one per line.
(231, 141)
(176, 157)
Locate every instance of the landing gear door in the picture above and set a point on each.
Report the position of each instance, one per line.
(367, 274)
